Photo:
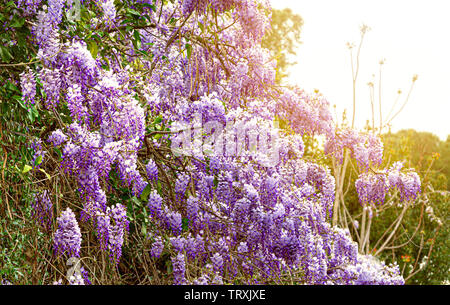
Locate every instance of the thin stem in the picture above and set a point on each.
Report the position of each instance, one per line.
(400, 218)
(405, 102)
(363, 229)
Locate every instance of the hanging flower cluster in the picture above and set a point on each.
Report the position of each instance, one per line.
(67, 238)
(372, 188)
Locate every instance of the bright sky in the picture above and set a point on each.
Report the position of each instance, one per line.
(412, 36)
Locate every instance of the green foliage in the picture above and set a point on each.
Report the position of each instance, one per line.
(443, 162)
(283, 39)
(20, 241)
(422, 151)
(436, 271)
(16, 234)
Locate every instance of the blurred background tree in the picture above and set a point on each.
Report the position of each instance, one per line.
(283, 39)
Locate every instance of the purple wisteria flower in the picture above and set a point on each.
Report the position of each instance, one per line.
(111, 227)
(157, 247)
(42, 209)
(372, 188)
(51, 84)
(85, 275)
(29, 7)
(152, 170)
(67, 238)
(179, 268)
(155, 204)
(109, 13)
(117, 231)
(28, 85)
(57, 137)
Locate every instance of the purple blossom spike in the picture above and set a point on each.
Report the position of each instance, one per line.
(192, 208)
(85, 275)
(67, 238)
(157, 247)
(57, 137)
(372, 188)
(155, 204)
(109, 13)
(28, 84)
(117, 231)
(217, 262)
(152, 170)
(182, 183)
(29, 7)
(51, 84)
(42, 209)
(174, 222)
(179, 266)
(103, 223)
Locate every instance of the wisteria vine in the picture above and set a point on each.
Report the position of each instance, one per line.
(225, 210)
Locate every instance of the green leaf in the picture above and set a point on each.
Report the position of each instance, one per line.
(185, 224)
(158, 119)
(136, 201)
(38, 160)
(137, 41)
(33, 114)
(58, 152)
(11, 86)
(5, 54)
(20, 101)
(93, 48)
(46, 174)
(133, 12)
(146, 192)
(201, 26)
(18, 22)
(26, 169)
(150, 6)
(144, 230)
(145, 53)
(159, 187)
(85, 15)
(189, 50)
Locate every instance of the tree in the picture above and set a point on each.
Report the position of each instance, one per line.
(283, 38)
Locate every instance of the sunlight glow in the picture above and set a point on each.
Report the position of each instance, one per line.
(412, 37)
